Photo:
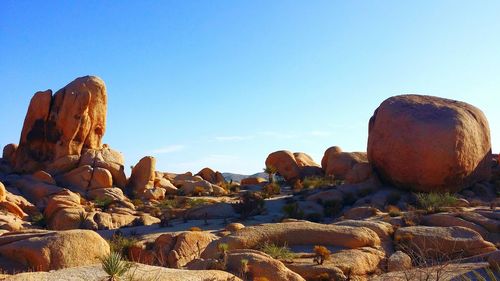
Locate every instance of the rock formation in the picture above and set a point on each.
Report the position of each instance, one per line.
(429, 144)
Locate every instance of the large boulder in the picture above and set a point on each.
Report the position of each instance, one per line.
(44, 251)
(429, 144)
(142, 177)
(293, 166)
(297, 233)
(108, 159)
(436, 242)
(259, 265)
(337, 163)
(211, 176)
(62, 125)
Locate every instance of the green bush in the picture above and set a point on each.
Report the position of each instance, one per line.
(277, 252)
(293, 211)
(39, 220)
(103, 203)
(433, 202)
(121, 244)
(271, 189)
(315, 182)
(250, 204)
(114, 265)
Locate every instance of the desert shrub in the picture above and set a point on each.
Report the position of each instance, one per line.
(315, 182)
(489, 274)
(196, 202)
(39, 220)
(250, 204)
(277, 252)
(271, 172)
(138, 203)
(230, 186)
(433, 202)
(114, 265)
(195, 228)
(121, 244)
(321, 254)
(331, 208)
(293, 211)
(102, 203)
(271, 189)
(393, 211)
(412, 218)
(198, 191)
(167, 204)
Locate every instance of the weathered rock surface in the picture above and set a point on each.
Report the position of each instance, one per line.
(62, 125)
(142, 177)
(338, 164)
(260, 265)
(137, 272)
(398, 261)
(297, 233)
(429, 144)
(452, 242)
(293, 166)
(53, 250)
(211, 176)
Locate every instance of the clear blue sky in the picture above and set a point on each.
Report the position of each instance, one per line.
(224, 83)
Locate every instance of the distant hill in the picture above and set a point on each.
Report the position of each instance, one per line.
(239, 177)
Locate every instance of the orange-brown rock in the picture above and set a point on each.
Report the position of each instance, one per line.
(63, 211)
(284, 162)
(9, 152)
(297, 233)
(61, 125)
(3, 192)
(429, 144)
(252, 181)
(109, 159)
(101, 178)
(293, 166)
(338, 164)
(142, 177)
(211, 176)
(260, 265)
(44, 177)
(451, 242)
(45, 251)
(12, 208)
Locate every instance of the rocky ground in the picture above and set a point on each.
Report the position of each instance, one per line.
(421, 204)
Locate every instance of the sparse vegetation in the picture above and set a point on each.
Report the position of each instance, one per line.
(277, 252)
(434, 202)
(321, 254)
(270, 171)
(114, 265)
(490, 274)
(271, 189)
(39, 220)
(102, 203)
(121, 244)
(293, 211)
(250, 204)
(316, 182)
(198, 191)
(393, 211)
